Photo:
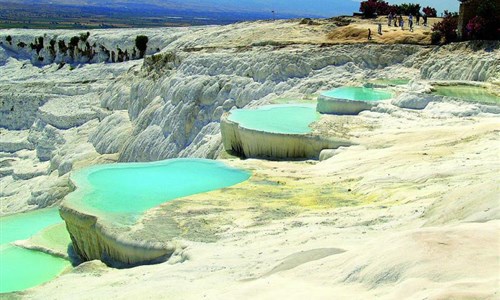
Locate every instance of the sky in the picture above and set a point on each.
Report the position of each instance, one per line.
(318, 8)
(325, 8)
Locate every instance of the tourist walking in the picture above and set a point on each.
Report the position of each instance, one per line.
(417, 17)
(410, 22)
(390, 19)
(425, 20)
(369, 34)
(401, 22)
(380, 28)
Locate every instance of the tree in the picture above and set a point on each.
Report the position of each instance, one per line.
(447, 28)
(62, 46)
(141, 43)
(73, 42)
(410, 8)
(84, 36)
(371, 7)
(476, 27)
(430, 12)
(486, 24)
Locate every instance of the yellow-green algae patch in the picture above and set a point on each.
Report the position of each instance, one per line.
(54, 239)
(269, 195)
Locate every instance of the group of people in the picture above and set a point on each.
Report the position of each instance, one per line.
(398, 21)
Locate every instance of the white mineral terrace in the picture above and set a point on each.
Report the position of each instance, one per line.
(402, 205)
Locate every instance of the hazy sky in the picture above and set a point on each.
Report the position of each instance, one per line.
(325, 8)
(318, 7)
(440, 5)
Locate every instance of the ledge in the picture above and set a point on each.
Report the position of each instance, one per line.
(92, 239)
(260, 144)
(337, 106)
(115, 233)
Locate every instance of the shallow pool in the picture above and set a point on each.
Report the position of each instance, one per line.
(24, 225)
(21, 268)
(358, 93)
(468, 93)
(126, 190)
(281, 118)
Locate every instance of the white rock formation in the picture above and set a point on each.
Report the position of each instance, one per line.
(337, 106)
(98, 46)
(462, 61)
(426, 178)
(260, 144)
(414, 100)
(171, 106)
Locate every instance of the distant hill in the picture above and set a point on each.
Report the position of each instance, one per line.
(284, 8)
(93, 14)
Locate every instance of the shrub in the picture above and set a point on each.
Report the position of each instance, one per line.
(38, 45)
(476, 27)
(447, 28)
(21, 45)
(73, 42)
(62, 46)
(9, 39)
(84, 36)
(486, 24)
(383, 8)
(52, 47)
(141, 43)
(436, 38)
(407, 8)
(430, 12)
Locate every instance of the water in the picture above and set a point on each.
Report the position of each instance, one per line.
(24, 225)
(468, 93)
(358, 93)
(21, 268)
(283, 118)
(124, 191)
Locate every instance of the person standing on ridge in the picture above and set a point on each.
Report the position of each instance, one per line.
(380, 28)
(390, 19)
(369, 34)
(410, 22)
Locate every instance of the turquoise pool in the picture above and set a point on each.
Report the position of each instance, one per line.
(280, 118)
(21, 268)
(24, 225)
(358, 94)
(468, 93)
(123, 191)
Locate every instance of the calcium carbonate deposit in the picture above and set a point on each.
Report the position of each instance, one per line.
(406, 207)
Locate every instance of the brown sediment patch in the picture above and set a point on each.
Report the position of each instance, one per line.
(357, 32)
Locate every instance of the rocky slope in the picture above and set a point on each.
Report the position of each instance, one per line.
(421, 181)
(55, 118)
